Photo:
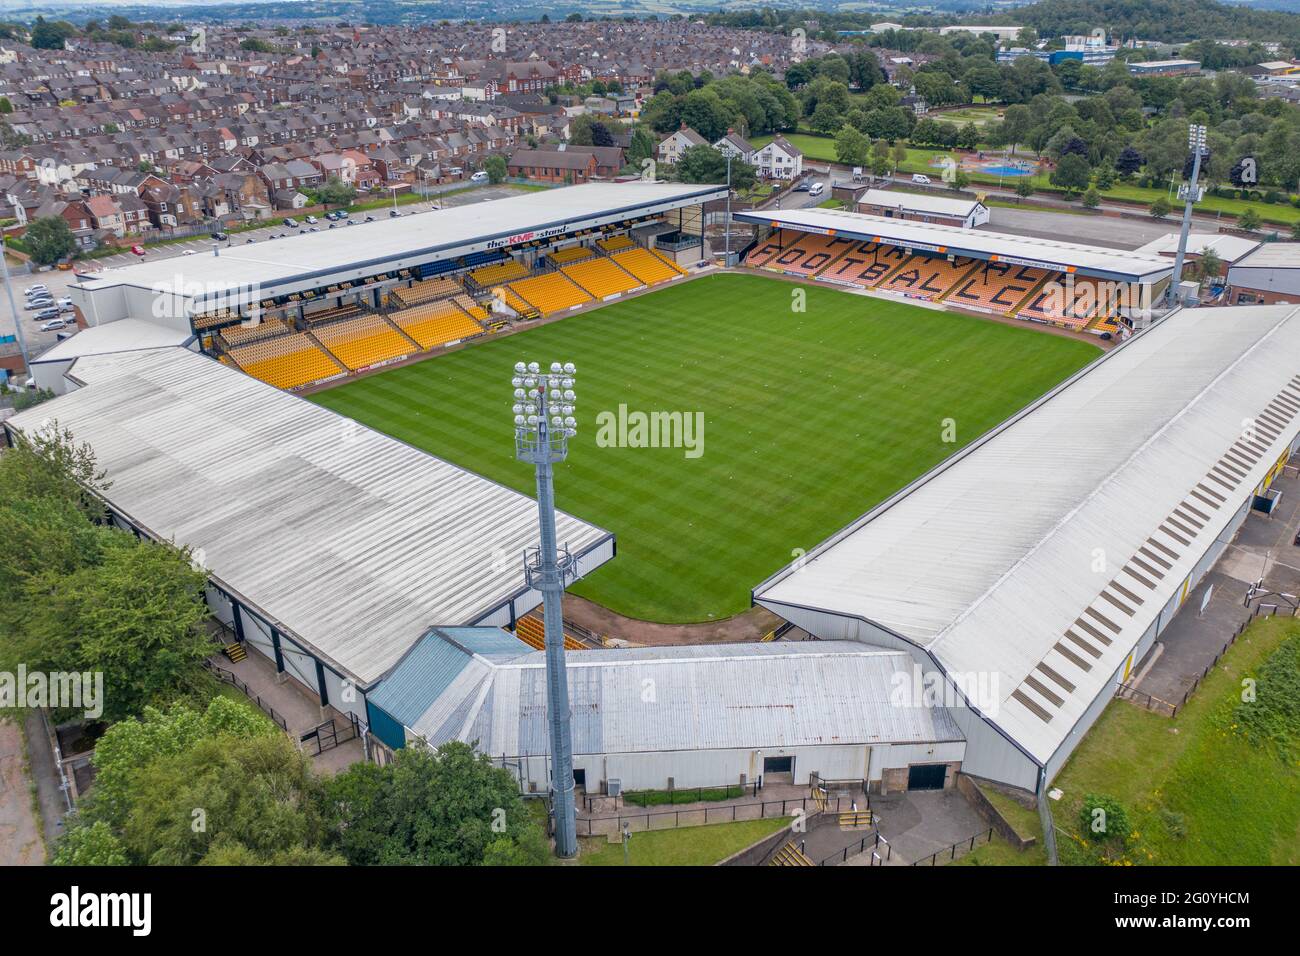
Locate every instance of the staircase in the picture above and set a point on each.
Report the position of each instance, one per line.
(789, 855)
(857, 819)
(235, 652)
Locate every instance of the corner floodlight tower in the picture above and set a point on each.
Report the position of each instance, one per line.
(544, 423)
(1190, 193)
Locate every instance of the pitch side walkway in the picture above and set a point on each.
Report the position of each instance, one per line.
(751, 625)
(20, 832)
(1263, 549)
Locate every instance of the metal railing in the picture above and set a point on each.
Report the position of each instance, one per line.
(681, 795)
(951, 851)
(697, 816)
(229, 677)
(872, 841)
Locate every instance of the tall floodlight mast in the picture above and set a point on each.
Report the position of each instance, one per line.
(544, 423)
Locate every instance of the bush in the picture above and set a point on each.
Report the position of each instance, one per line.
(1161, 207)
(1104, 819)
(655, 798)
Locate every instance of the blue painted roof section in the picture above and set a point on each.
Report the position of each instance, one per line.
(433, 663)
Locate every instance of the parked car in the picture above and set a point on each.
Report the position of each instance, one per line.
(921, 179)
(34, 290)
(65, 302)
(188, 252)
(370, 218)
(393, 214)
(46, 314)
(54, 325)
(220, 236)
(802, 186)
(351, 222)
(137, 250)
(479, 177)
(312, 220)
(41, 303)
(291, 223)
(817, 189)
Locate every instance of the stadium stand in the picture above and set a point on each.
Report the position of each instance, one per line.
(332, 314)
(763, 252)
(1075, 303)
(427, 290)
(601, 277)
(549, 292)
(809, 254)
(476, 311)
(928, 277)
(532, 632)
(289, 361)
(363, 341)
(648, 266)
(997, 287)
(244, 334)
(864, 266)
(432, 324)
(500, 272)
(208, 320)
(570, 254)
(616, 243)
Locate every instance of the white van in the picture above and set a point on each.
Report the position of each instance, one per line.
(817, 189)
(921, 178)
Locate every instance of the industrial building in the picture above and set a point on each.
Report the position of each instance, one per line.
(1270, 274)
(654, 717)
(1038, 565)
(964, 213)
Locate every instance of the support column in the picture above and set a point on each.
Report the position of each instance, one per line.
(280, 675)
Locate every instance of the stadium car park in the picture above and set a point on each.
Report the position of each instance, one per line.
(964, 558)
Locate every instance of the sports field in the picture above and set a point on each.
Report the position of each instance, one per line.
(810, 418)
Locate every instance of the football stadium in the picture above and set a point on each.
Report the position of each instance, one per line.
(907, 440)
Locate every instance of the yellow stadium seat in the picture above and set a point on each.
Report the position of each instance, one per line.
(549, 292)
(288, 361)
(616, 243)
(428, 290)
(601, 277)
(571, 254)
(500, 272)
(364, 341)
(649, 267)
(436, 323)
(996, 287)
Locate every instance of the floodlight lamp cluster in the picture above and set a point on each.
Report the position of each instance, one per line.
(544, 400)
(1196, 136)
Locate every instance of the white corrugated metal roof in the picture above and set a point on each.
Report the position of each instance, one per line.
(1272, 255)
(1228, 247)
(351, 541)
(923, 202)
(712, 697)
(955, 239)
(991, 558)
(266, 263)
(123, 336)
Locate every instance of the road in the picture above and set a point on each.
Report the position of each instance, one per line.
(58, 282)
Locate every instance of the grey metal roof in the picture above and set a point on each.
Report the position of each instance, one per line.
(394, 243)
(350, 541)
(710, 697)
(991, 558)
(1052, 253)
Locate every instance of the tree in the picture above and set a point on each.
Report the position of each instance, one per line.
(1024, 188)
(5, 105)
(1092, 199)
(1128, 162)
(254, 798)
(47, 36)
(1072, 173)
(704, 164)
(49, 239)
(1209, 265)
(1160, 208)
(93, 844)
(495, 167)
(1016, 124)
(449, 807)
(335, 192)
(851, 146)
(1248, 220)
(134, 616)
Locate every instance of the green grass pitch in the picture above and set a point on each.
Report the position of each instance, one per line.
(810, 418)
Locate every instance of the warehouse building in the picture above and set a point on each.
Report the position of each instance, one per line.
(919, 207)
(1270, 274)
(653, 718)
(1041, 562)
